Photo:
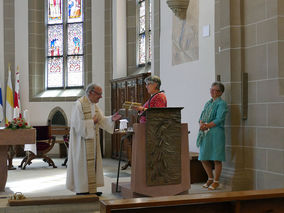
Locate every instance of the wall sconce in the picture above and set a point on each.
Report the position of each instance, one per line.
(179, 7)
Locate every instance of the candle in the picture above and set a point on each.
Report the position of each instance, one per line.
(16, 112)
(27, 116)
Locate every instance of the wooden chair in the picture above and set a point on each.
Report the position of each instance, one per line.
(44, 143)
(61, 131)
(66, 143)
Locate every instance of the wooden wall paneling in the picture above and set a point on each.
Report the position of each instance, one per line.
(121, 97)
(131, 94)
(131, 115)
(133, 89)
(140, 90)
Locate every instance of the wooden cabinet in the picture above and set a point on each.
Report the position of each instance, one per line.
(131, 88)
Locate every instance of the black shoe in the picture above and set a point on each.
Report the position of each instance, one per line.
(98, 193)
(11, 168)
(83, 193)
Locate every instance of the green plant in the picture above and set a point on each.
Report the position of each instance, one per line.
(17, 123)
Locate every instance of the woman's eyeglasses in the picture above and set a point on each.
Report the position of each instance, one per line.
(150, 82)
(215, 90)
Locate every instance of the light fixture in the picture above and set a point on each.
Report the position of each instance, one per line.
(179, 7)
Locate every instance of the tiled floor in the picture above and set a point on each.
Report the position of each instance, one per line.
(39, 180)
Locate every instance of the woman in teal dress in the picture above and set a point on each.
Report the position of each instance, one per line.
(211, 136)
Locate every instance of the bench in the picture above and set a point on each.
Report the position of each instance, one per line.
(197, 172)
(253, 201)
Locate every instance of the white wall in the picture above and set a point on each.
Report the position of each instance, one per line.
(2, 76)
(187, 85)
(119, 38)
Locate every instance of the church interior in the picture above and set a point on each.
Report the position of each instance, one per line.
(117, 44)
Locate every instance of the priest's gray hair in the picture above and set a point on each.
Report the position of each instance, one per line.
(90, 87)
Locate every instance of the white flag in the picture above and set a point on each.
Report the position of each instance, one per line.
(9, 98)
(17, 102)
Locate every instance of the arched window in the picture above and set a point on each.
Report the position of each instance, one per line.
(64, 44)
(144, 34)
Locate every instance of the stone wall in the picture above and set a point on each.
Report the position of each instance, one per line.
(249, 39)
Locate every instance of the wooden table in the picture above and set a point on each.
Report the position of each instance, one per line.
(12, 137)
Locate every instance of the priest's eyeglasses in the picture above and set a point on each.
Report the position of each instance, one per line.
(97, 93)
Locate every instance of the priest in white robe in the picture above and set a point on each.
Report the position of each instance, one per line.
(84, 168)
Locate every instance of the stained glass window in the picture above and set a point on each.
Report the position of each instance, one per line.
(65, 45)
(55, 11)
(75, 65)
(142, 18)
(150, 16)
(75, 39)
(55, 40)
(144, 32)
(55, 72)
(142, 48)
(75, 11)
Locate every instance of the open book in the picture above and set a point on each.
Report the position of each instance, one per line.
(129, 104)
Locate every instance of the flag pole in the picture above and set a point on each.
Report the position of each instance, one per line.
(17, 102)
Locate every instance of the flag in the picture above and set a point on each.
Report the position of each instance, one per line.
(9, 98)
(17, 102)
(1, 106)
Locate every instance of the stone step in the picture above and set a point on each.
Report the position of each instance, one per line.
(68, 207)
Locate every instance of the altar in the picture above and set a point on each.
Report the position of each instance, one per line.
(12, 137)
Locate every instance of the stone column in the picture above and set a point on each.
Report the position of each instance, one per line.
(249, 39)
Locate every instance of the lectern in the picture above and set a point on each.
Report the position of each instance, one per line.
(12, 137)
(160, 156)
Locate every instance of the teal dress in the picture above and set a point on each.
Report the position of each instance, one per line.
(212, 142)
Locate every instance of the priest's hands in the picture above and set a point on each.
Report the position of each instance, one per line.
(116, 116)
(95, 119)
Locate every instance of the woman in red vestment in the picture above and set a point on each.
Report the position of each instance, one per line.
(157, 99)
